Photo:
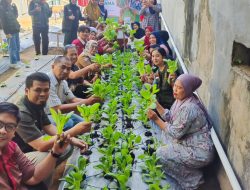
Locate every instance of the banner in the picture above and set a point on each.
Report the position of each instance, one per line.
(123, 9)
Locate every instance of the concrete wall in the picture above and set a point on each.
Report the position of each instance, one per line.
(204, 32)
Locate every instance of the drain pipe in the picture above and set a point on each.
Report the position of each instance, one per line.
(224, 160)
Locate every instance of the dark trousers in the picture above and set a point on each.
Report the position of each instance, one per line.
(39, 32)
(69, 37)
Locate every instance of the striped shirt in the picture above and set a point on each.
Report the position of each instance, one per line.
(59, 92)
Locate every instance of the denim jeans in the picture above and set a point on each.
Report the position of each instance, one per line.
(74, 119)
(14, 48)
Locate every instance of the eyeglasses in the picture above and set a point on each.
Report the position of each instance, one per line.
(9, 127)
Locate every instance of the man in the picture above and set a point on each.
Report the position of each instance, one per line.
(76, 81)
(61, 97)
(16, 170)
(35, 122)
(11, 28)
(40, 13)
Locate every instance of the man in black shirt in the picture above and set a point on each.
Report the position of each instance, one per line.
(34, 121)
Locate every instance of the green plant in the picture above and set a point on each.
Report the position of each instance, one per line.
(139, 46)
(122, 178)
(172, 67)
(106, 164)
(152, 173)
(76, 176)
(60, 119)
(130, 140)
(99, 88)
(88, 112)
(86, 138)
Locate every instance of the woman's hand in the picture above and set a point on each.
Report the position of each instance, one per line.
(152, 115)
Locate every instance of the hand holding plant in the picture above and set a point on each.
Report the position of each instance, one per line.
(61, 143)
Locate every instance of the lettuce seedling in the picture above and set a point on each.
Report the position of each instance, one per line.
(60, 119)
(139, 46)
(88, 112)
(172, 67)
(99, 88)
(106, 163)
(76, 176)
(122, 178)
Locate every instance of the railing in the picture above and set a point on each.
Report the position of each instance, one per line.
(224, 160)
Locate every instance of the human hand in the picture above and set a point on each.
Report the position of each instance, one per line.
(93, 99)
(83, 146)
(152, 115)
(83, 127)
(72, 17)
(94, 67)
(172, 77)
(8, 35)
(61, 143)
(38, 8)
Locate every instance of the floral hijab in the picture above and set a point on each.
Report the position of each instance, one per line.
(89, 45)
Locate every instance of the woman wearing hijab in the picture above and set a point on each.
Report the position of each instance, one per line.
(139, 31)
(92, 11)
(148, 31)
(104, 12)
(150, 12)
(187, 144)
(71, 17)
(86, 56)
(161, 38)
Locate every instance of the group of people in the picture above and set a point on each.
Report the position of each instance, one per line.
(184, 121)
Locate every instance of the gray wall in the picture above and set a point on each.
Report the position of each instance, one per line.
(204, 32)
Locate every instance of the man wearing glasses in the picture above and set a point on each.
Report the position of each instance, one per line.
(16, 170)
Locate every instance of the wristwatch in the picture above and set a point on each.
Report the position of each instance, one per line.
(55, 155)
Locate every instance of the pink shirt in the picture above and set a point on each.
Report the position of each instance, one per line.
(15, 168)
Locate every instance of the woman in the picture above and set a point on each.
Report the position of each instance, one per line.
(104, 12)
(150, 10)
(83, 35)
(185, 133)
(93, 33)
(11, 28)
(148, 31)
(71, 17)
(139, 31)
(92, 11)
(88, 53)
(160, 38)
(163, 79)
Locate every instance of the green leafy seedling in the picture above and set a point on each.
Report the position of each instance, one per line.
(60, 119)
(88, 112)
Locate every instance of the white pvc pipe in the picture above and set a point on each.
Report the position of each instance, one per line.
(224, 160)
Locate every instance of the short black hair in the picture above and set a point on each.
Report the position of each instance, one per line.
(67, 47)
(7, 107)
(60, 59)
(161, 51)
(37, 76)
(83, 28)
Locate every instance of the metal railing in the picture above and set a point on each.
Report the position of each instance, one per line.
(224, 160)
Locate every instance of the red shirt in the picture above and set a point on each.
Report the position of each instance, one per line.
(15, 168)
(79, 46)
